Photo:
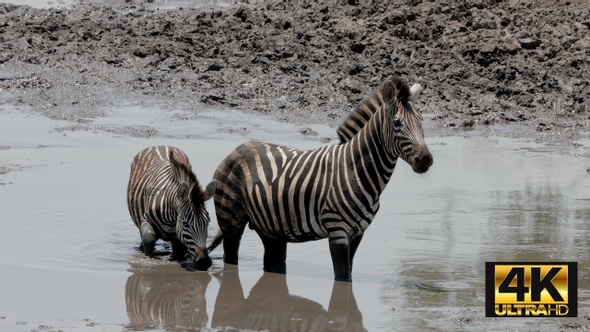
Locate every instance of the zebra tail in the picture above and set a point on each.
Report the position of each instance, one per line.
(210, 190)
(216, 241)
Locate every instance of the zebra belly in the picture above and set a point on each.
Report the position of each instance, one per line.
(289, 231)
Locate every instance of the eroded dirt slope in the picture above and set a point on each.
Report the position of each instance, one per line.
(480, 64)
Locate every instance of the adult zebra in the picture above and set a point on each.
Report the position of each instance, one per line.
(166, 202)
(291, 195)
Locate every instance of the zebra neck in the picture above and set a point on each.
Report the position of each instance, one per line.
(373, 165)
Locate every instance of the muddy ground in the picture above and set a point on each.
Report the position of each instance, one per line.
(482, 65)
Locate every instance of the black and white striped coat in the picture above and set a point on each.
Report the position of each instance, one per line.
(292, 195)
(166, 202)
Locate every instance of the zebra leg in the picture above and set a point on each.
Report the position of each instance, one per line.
(179, 250)
(232, 220)
(231, 246)
(353, 247)
(341, 261)
(148, 238)
(231, 242)
(275, 254)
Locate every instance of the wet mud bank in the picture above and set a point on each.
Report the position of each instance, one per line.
(482, 65)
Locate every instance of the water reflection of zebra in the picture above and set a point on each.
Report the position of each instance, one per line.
(166, 202)
(270, 307)
(291, 195)
(165, 297)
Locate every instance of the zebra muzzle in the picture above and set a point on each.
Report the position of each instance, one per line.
(422, 161)
(202, 261)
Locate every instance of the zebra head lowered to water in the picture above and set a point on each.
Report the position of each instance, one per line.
(292, 195)
(166, 202)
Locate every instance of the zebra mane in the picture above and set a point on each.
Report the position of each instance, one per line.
(184, 173)
(392, 92)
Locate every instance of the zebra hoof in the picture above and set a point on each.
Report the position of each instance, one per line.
(275, 267)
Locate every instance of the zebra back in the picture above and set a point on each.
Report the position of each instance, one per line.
(360, 115)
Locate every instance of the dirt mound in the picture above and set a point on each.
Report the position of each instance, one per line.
(481, 64)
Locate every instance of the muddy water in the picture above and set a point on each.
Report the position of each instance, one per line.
(68, 247)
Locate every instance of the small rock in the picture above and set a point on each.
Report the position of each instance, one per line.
(306, 131)
(215, 67)
(356, 69)
(529, 43)
(468, 123)
(358, 47)
(505, 21)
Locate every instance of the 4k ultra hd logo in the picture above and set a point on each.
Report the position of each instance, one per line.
(531, 289)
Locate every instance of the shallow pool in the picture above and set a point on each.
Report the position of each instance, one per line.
(68, 248)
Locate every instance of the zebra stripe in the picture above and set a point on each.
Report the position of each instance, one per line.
(292, 195)
(166, 202)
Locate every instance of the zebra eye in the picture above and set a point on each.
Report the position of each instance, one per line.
(397, 123)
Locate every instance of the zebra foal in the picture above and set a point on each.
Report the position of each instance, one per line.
(292, 195)
(166, 202)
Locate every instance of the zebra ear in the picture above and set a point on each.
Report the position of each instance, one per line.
(394, 91)
(415, 91)
(388, 92)
(182, 192)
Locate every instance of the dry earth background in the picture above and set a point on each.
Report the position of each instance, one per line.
(482, 65)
